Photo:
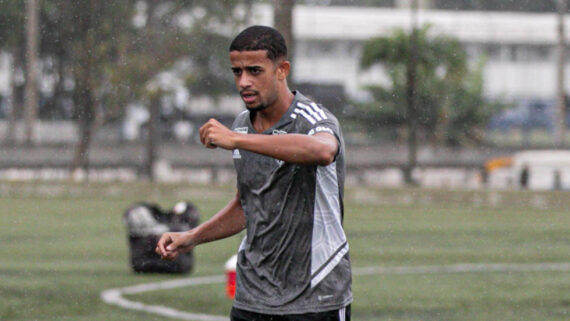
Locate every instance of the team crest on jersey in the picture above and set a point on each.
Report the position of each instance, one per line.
(241, 130)
(279, 132)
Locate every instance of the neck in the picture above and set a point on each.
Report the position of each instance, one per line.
(266, 118)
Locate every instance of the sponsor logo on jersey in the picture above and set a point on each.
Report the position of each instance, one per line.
(320, 129)
(325, 297)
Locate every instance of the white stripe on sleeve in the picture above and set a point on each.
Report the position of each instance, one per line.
(307, 116)
(319, 110)
(311, 111)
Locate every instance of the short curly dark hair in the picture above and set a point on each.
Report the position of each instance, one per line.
(261, 38)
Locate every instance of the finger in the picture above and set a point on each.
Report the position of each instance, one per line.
(170, 256)
(207, 134)
(203, 134)
(171, 248)
(205, 130)
(164, 241)
(211, 144)
(176, 243)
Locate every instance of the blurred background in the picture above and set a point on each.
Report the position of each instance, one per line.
(454, 115)
(429, 92)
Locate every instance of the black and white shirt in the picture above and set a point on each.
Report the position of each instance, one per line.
(294, 258)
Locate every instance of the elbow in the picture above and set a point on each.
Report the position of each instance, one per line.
(326, 157)
(326, 150)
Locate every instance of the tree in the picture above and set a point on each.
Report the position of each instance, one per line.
(449, 105)
(31, 98)
(12, 15)
(112, 61)
(197, 52)
(85, 38)
(111, 52)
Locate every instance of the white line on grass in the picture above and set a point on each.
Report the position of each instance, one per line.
(462, 268)
(115, 296)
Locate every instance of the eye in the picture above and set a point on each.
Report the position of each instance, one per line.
(236, 71)
(255, 70)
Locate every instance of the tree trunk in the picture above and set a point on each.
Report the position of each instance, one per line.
(560, 122)
(83, 97)
(31, 98)
(411, 99)
(283, 21)
(153, 139)
(80, 164)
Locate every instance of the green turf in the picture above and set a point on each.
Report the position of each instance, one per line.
(64, 244)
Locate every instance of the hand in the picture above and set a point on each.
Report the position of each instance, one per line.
(173, 243)
(213, 134)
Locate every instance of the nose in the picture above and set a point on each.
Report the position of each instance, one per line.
(244, 81)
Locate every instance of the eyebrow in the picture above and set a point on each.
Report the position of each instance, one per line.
(248, 68)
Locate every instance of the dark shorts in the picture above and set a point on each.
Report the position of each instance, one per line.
(335, 315)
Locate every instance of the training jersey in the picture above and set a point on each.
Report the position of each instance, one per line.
(294, 257)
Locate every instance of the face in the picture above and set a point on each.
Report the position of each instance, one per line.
(257, 78)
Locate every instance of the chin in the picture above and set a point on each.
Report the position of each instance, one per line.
(259, 107)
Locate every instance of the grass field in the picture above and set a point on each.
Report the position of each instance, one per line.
(61, 245)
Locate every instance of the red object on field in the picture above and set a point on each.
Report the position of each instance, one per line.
(231, 277)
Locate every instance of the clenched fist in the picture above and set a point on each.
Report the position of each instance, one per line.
(213, 134)
(173, 243)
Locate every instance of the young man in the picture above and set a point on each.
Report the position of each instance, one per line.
(288, 152)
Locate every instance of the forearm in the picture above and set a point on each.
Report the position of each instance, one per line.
(227, 222)
(293, 148)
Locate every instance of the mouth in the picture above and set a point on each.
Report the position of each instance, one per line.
(248, 96)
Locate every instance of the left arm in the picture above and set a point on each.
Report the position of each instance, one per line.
(319, 149)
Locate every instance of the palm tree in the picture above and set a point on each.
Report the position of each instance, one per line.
(440, 97)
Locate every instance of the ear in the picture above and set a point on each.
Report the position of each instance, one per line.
(283, 69)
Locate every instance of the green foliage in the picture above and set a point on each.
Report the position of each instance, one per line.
(97, 47)
(449, 94)
(163, 42)
(11, 23)
(83, 37)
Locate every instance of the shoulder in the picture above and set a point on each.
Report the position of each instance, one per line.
(310, 112)
(241, 119)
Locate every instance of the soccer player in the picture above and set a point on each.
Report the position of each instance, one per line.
(288, 151)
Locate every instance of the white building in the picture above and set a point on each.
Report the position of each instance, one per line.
(520, 47)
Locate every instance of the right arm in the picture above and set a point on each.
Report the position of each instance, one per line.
(227, 222)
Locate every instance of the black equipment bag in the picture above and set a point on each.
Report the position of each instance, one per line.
(145, 224)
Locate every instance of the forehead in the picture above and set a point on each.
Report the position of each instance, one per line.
(249, 58)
